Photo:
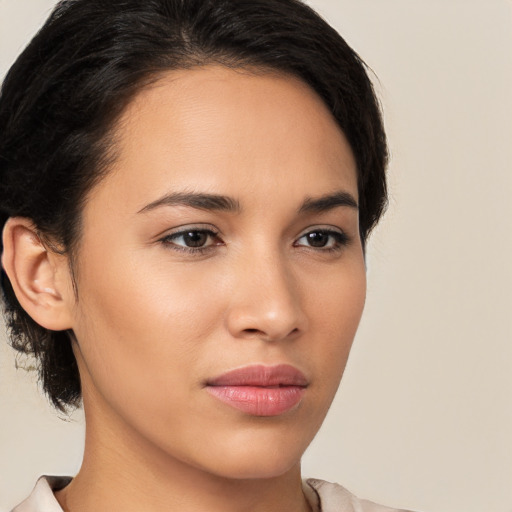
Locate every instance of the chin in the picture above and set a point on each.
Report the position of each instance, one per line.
(257, 469)
(259, 459)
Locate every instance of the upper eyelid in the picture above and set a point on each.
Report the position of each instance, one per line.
(322, 227)
(189, 227)
(329, 232)
(180, 231)
(210, 228)
(214, 230)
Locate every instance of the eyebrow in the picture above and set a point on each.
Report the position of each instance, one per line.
(328, 202)
(215, 202)
(200, 201)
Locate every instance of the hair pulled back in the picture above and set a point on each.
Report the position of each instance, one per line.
(62, 97)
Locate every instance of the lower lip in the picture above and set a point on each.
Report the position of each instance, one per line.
(259, 401)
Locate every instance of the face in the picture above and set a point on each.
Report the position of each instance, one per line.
(220, 273)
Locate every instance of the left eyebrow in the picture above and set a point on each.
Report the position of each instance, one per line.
(199, 201)
(328, 202)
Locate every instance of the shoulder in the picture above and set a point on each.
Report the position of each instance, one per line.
(335, 498)
(42, 499)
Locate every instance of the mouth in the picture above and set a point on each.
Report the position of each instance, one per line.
(260, 390)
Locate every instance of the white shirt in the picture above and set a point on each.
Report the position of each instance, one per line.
(323, 497)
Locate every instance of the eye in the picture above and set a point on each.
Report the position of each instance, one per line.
(192, 239)
(323, 239)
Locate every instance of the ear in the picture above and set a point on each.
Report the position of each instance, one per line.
(40, 277)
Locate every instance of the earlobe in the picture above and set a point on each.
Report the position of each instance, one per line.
(39, 276)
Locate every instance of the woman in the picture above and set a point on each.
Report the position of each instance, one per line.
(186, 192)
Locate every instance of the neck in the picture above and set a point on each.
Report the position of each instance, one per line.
(120, 471)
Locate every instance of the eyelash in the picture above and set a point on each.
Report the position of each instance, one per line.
(170, 240)
(340, 240)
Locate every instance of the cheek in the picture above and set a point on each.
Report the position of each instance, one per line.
(146, 329)
(146, 302)
(335, 301)
(335, 313)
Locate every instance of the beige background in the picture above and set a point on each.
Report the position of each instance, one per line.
(424, 418)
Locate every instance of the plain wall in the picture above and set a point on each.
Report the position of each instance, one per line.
(423, 419)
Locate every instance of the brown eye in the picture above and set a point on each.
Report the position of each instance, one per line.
(195, 238)
(323, 239)
(317, 239)
(192, 239)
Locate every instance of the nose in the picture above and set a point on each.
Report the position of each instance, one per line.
(266, 301)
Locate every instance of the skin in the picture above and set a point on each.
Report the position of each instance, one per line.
(153, 321)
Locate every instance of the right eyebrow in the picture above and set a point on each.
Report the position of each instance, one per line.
(200, 201)
(328, 202)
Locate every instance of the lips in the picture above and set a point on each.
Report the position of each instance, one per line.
(260, 390)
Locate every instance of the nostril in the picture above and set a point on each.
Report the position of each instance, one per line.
(260, 333)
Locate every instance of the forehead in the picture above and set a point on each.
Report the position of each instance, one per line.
(230, 131)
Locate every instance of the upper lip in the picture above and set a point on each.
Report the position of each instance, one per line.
(261, 375)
